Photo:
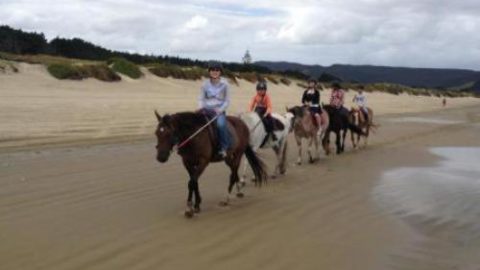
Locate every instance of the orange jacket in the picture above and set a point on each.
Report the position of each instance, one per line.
(259, 101)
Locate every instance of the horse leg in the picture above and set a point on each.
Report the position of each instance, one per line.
(309, 149)
(352, 136)
(244, 176)
(277, 151)
(344, 135)
(326, 142)
(284, 156)
(234, 179)
(194, 170)
(317, 150)
(299, 145)
(338, 141)
(367, 132)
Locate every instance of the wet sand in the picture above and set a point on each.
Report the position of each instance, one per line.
(114, 207)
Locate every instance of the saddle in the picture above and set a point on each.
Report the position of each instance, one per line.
(213, 133)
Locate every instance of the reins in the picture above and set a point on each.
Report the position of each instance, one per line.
(180, 145)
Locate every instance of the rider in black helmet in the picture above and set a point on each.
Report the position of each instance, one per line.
(262, 105)
(311, 99)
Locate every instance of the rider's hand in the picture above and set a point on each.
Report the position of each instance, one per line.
(218, 111)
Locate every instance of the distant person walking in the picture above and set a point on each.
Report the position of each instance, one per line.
(444, 102)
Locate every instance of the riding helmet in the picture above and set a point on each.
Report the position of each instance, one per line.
(261, 85)
(215, 65)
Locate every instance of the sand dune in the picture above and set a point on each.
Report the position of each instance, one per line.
(36, 108)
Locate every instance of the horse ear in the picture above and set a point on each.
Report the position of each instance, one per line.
(167, 120)
(159, 118)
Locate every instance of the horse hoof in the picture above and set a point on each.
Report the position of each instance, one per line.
(273, 176)
(197, 209)
(243, 184)
(240, 195)
(188, 213)
(223, 203)
(311, 160)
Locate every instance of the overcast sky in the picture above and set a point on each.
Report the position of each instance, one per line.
(413, 33)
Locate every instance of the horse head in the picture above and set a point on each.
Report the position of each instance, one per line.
(165, 137)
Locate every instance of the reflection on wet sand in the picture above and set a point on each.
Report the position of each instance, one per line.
(441, 203)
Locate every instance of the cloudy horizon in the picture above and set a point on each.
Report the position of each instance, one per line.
(425, 33)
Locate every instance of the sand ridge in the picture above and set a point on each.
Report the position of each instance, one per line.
(37, 109)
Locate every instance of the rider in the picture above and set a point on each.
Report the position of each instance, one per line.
(311, 99)
(262, 105)
(337, 99)
(361, 101)
(214, 99)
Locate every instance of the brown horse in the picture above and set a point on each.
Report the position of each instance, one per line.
(200, 150)
(357, 117)
(305, 127)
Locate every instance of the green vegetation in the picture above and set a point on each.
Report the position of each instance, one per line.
(122, 65)
(272, 79)
(64, 71)
(301, 85)
(177, 72)
(78, 72)
(7, 66)
(249, 76)
(285, 81)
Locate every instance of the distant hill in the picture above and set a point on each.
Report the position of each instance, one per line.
(414, 77)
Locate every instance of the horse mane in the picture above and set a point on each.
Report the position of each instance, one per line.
(187, 123)
(297, 111)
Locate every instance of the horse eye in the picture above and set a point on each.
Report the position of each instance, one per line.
(162, 129)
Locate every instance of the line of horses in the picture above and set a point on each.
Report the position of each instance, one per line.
(248, 135)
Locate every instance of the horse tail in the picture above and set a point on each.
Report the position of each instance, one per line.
(258, 167)
(374, 127)
(356, 129)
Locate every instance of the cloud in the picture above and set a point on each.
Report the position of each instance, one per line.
(388, 32)
(196, 23)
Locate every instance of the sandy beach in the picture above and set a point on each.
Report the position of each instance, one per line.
(37, 109)
(112, 206)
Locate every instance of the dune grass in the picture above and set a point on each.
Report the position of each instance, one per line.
(44, 59)
(177, 72)
(285, 81)
(7, 66)
(78, 72)
(123, 66)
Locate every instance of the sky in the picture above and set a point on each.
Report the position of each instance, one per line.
(410, 33)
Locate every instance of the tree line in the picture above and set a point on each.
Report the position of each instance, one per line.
(21, 42)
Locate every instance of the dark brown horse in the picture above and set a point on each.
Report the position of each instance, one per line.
(198, 152)
(339, 124)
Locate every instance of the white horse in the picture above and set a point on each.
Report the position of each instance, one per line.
(257, 136)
